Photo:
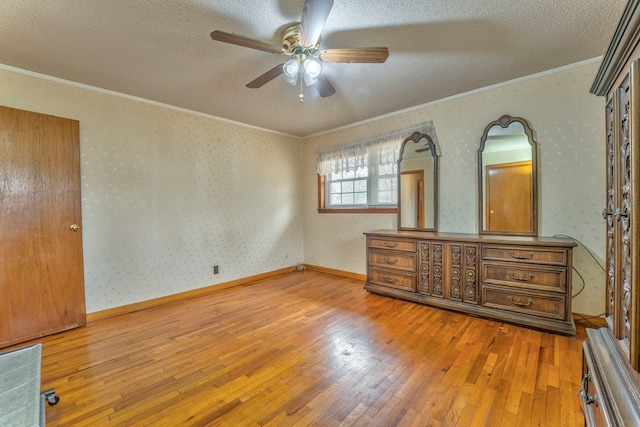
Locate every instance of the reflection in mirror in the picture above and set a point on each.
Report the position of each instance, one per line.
(507, 178)
(418, 184)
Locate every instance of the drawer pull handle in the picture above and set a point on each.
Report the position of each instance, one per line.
(390, 279)
(520, 304)
(513, 255)
(390, 260)
(584, 394)
(521, 278)
(390, 244)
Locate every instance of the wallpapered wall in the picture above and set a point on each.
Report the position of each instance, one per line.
(569, 128)
(167, 194)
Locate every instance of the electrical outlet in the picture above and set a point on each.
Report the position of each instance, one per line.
(216, 270)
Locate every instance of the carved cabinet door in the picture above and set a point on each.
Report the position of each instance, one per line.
(623, 163)
(449, 270)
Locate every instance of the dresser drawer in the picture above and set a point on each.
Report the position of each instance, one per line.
(392, 279)
(525, 276)
(392, 260)
(550, 256)
(393, 244)
(537, 304)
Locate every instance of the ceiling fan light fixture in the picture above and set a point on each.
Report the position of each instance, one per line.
(301, 42)
(309, 80)
(312, 68)
(291, 69)
(291, 80)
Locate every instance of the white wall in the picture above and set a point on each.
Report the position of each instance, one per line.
(569, 128)
(167, 194)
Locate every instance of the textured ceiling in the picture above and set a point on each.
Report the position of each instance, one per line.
(161, 50)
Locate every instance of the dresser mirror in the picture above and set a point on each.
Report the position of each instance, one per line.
(418, 184)
(507, 178)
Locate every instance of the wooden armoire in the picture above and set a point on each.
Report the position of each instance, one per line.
(611, 382)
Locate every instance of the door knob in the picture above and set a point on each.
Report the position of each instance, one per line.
(74, 227)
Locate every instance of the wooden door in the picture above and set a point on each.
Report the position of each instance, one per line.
(41, 266)
(509, 197)
(412, 209)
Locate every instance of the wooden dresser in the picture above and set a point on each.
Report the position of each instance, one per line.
(520, 280)
(611, 383)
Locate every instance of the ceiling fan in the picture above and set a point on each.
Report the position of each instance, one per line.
(301, 41)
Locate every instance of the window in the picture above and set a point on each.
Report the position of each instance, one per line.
(362, 176)
(348, 188)
(369, 186)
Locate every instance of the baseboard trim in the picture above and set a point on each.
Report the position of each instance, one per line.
(341, 273)
(250, 280)
(590, 320)
(194, 293)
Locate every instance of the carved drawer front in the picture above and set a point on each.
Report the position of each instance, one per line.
(548, 256)
(544, 305)
(393, 244)
(393, 279)
(395, 261)
(525, 276)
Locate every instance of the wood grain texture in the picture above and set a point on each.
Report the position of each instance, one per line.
(357, 55)
(508, 194)
(309, 348)
(477, 275)
(41, 267)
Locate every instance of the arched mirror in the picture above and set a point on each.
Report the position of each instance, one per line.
(418, 184)
(508, 190)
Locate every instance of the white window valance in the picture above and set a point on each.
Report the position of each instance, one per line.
(382, 150)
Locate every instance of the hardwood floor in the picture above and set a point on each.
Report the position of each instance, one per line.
(310, 348)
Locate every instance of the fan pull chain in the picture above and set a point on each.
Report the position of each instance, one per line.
(301, 96)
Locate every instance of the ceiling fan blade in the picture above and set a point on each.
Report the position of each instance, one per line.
(357, 55)
(324, 86)
(266, 77)
(221, 36)
(314, 16)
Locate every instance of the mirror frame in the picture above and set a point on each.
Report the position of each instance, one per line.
(415, 138)
(504, 122)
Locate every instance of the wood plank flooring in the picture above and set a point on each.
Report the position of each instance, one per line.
(309, 349)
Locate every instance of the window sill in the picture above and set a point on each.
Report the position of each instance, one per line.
(360, 211)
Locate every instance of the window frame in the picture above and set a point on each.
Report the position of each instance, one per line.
(322, 208)
(340, 151)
